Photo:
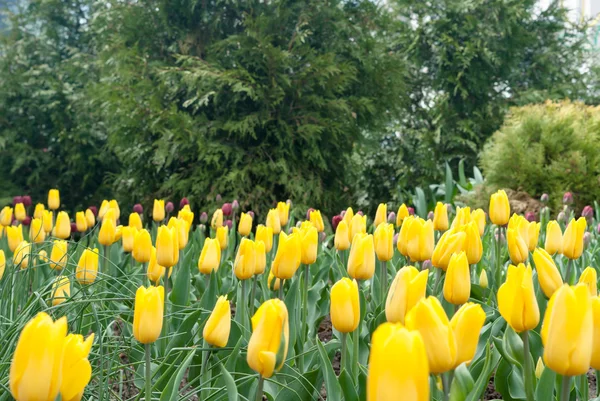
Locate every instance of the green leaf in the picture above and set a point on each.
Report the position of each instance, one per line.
(420, 202)
(462, 385)
(302, 387)
(171, 392)
(492, 357)
(449, 185)
(348, 386)
(545, 386)
(332, 386)
(232, 392)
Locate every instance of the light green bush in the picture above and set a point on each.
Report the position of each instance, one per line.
(550, 147)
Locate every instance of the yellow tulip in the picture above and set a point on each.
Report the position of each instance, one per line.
(380, 215)
(462, 218)
(407, 289)
(288, 257)
(404, 235)
(518, 248)
(358, 225)
(384, 241)
(223, 237)
(37, 234)
(348, 216)
(38, 212)
(283, 209)
(15, 236)
(53, 199)
(421, 240)
(135, 221)
(273, 221)
(533, 229)
(158, 211)
(267, 348)
(499, 208)
(539, 368)
(113, 204)
(142, 246)
(317, 220)
(91, 219)
(217, 328)
(440, 217)
(595, 362)
(516, 299)
(43, 256)
(466, 324)
(87, 267)
(264, 234)
(155, 271)
(81, 222)
(108, 232)
(554, 238)
(483, 279)
(361, 262)
(547, 273)
(387, 379)
(401, 215)
(36, 366)
(309, 241)
(245, 260)
(342, 235)
(245, 225)
(76, 368)
(6, 216)
(273, 281)
(128, 237)
(21, 255)
(58, 255)
(478, 216)
(573, 238)
(2, 263)
(261, 257)
(457, 283)
(104, 206)
(590, 279)
(148, 313)
(568, 331)
(187, 215)
(62, 227)
(182, 229)
(20, 212)
(167, 246)
(210, 257)
(345, 305)
(473, 245)
(429, 318)
(450, 242)
(61, 290)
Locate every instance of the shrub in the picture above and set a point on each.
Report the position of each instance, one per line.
(550, 147)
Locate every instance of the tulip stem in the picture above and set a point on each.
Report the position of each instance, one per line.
(355, 359)
(305, 304)
(528, 367)
(281, 284)
(446, 383)
(166, 308)
(383, 280)
(259, 388)
(100, 345)
(569, 268)
(344, 352)
(204, 378)
(498, 264)
(253, 294)
(242, 306)
(148, 373)
(565, 388)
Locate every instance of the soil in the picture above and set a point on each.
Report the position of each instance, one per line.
(522, 203)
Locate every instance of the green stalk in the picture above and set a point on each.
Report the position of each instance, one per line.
(383, 278)
(148, 373)
(498, 275)
(165, 328)
(281, 283)
(569, 268)
(253, 294)
(438, 281)
(565, 388)
(100, 346)
(243, 303)
(305, 304)
(528, 367)
(259, 388)
(446, 383)
(344, 352)
(355, 339)
(204, 379)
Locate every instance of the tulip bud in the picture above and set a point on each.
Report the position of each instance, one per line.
(36, 367)
(210, 257)
(516, 299)
(381, 215)
(568, 198)
(251, 213)
(562, 217)
(218, 198)
(317, 220)
(17, 199)
(158, 211)
(138, 208)
(267, 348)
(383, 240)
(36, 231)
(21, 255)
(587, 239)
(184, 201)
(148, 313)
(590, 279)
(203, 217)
(167, 246)
(288, 257)
(361, 262)
(407, 289)
(227, 209)
(440, 217)
(58, 255)
(573, 238)
(387, 378)
(430, 215)
(245, 226)
(391, 218)
(335, 221)
(588, 213)
(53, 199)
(345, 305)
(26, 200)
(61, 290)
(223, 237)
(539, 367)
(544, 198)
(568, 331)
(62, 228)
(169, 207)
(483, 279)
(261, 257)
(457, 283)
(499, 208)
(530, 216)
(217, 328)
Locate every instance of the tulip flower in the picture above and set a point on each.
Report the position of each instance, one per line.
(267, 348)
(167, 246)
(429, 319)
(473, 245)
(104, 206)
(135, 221)
(381, 215)
(273, 221)
(595, 362)
(210, 257)
(384, 241)
(273, 282)
(457, 283)
(2, 263)
(345, 305)
(61, 290)
(53, 199)
(87, 267)
(479, 217)
(347, 217)
(539, 368)
(264, 234)
(261, 258)
(15, 236)
(155, 271)
(466, 324)
(590, 279)
(187, 215)
(245, 260)
(20, 212)
(81, 222)
(158, 211)
(58, 255)
(91, 219)
(142, 246)
(554, 238)
(218, 325)
(407, 289)
(288, 257)
(483, 279)
(358, 225)
(76, 368)
(452, 241)
(401, 215)
(38, 212)
(518, 248)
(462, 218)
(223, 237)
(148, 313)
(404, 235)
(309, 241)
(573, 238)
(317, 220)
(21, 255)
(440, 217)
(36, 366)
(533, 229)
(420, 240)
(499, 208)
(107, 233)
(6, 216)
(568, 331)
(245, 225)
(37, 234)
(283, 209)
(128, 237)
(548, 275)
(182, 229)
(361, 262)
(389, 380)
(62, 227)
(342, 235)
(516, 299)
(114, 205)
(47, 220)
